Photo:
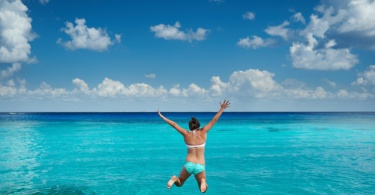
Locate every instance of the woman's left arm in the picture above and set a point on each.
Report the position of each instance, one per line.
(173, 124)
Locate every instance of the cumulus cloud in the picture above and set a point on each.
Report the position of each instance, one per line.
(83, 37)
(329, 35)
(256, 79)
(335, 28)
(45, 90)
(325, 43)
(255, 83)
(169, 32)
(81, 86)
(308, 56)
(279, 30)
(366, 78)
(251, 83)
(175, 90)
(111, 88)
(118, 38)
(248, 16)
(298, 17)
(370, 74)
(358, 17)
(193, 91)
(15, 32)
(217, 86)
(349, 22)
(10, 70)
(359, 81)
(254, 42)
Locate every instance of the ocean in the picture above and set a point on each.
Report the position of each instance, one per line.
(137, 153)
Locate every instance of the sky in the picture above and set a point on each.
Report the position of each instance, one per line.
(187, 55)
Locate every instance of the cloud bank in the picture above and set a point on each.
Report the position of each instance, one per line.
(251, 83)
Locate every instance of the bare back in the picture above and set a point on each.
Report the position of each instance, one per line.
(195, 154)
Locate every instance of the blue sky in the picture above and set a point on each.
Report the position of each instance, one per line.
(262, 55)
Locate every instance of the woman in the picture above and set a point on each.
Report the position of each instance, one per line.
(195, 140)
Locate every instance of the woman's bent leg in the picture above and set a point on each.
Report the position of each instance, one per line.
(180, 180)
(201, 180)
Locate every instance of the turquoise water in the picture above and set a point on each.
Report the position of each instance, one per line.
(137, 153)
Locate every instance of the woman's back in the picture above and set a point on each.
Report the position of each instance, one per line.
(195, 142)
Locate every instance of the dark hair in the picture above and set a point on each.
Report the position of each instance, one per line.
(194, 124)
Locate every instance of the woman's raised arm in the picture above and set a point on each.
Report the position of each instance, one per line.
(173, 124)
(223, 106)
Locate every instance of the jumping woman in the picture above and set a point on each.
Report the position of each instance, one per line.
(195, 141)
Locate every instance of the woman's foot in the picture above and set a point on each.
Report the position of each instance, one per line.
(203, 186)
(172, 181)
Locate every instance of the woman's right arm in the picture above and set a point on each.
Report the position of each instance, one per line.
(223, 106)
(173, 124)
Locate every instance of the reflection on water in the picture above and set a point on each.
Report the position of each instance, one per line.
(19, 157)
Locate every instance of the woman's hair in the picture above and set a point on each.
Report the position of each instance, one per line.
(194, 124)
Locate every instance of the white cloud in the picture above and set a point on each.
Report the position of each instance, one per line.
(350, 22)
(110, 88)
(329, 37)
(46, 90)
(360, 81)
(366, 77)
(317, 93)
(251, 83)
(248, 83)
(259, 84)
(359, 17)
(248, 16)
(370, 74)
(279, 30)
(298, 17)
(43, 1)
(15, 32)
(82, 86)
(217, 86)
(308, 56)
(193, 91)
(343, 93)
(151, 76)
(330, 83)
(84, 37)
(145, 90)
(10, 70)
(254, 42)
(175, 90)
(7, 90)
(169, 32)
(118, 38)
(254, 82)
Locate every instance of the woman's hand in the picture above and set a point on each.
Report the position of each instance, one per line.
(224, 105)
